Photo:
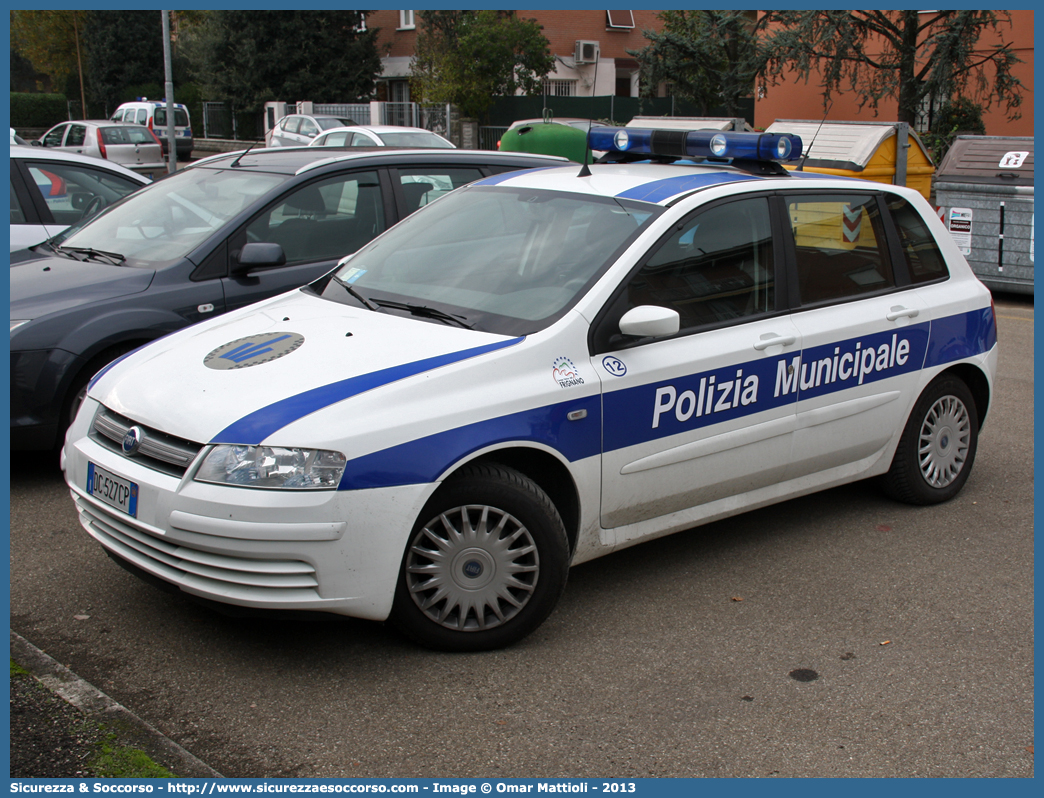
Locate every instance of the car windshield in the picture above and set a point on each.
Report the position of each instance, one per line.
(328, 122)
(166, 220)
(498, 259)
(415, 139)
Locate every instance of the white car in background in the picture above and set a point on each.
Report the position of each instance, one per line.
(52, 190)
(130, 145)
(298, 130)
(381, 136)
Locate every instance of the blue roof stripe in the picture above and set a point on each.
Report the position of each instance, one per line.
(255, 427)
(493, 180)
(660, 190)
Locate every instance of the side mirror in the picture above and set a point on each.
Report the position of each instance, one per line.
(36, 143)
(650, 321)
(258, 255)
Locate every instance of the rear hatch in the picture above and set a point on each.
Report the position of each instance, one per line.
(130, 145)
(182, 129)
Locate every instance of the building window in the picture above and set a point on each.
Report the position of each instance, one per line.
(620, 20)
(361, 27)
(406, 20)
(560, 88)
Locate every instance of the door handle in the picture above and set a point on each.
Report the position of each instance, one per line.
(899, 311)
(772, 339)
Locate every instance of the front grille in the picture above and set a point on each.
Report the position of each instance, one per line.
(158, 450)
(220, 574)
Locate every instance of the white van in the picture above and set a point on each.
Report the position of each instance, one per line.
(153, 114)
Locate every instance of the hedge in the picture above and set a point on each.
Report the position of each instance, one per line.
(37, 110)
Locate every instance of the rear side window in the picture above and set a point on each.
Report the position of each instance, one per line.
(923, 257)
(143, 117)
(77, 134)
(840, 247)
(421, 187)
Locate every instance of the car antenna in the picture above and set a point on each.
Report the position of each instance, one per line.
(801, 166)
(584, 171)
(244, 152)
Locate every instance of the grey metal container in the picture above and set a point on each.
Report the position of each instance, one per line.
(984, 189)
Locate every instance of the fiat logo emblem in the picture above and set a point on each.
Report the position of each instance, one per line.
(132, 440)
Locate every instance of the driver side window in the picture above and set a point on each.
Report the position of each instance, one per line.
(716, 268)
(321, 221)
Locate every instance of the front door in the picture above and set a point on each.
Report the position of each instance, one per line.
(701, 416)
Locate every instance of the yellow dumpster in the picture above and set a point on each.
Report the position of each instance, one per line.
(867, 150)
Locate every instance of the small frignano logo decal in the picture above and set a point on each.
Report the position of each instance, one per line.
(253, 350)
(565, 373)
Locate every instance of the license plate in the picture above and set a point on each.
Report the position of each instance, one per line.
(113, 490)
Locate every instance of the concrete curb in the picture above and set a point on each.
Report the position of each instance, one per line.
(93, 701)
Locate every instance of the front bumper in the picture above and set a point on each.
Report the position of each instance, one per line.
(331, 551)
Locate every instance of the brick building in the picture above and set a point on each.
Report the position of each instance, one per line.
(590, 49)
(797, 99)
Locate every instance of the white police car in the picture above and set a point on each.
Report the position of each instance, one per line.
(539, 369)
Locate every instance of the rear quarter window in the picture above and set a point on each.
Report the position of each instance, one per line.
(923, 258)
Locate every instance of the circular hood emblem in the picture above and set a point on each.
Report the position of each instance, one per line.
(253, 350)
(132, 440)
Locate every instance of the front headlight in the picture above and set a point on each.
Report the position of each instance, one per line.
(16, 323)
(272, 467)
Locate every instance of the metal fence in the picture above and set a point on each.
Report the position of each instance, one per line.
(357, 112)
(489, 137)
(219, 122)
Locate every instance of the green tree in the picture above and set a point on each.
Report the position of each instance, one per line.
(709, 57)
(903, 55)
(469, 57)
(137, 36)
(252, 57)
(52, 41)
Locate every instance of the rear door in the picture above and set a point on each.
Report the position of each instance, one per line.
(863, 337)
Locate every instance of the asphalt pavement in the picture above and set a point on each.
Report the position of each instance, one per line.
(840, 634)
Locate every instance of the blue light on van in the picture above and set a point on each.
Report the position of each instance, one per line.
(697, 143)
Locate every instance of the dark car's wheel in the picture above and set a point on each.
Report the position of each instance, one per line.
(485, 564)
(937, 448)
(78, 390)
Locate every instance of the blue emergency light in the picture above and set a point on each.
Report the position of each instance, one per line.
(696, 143)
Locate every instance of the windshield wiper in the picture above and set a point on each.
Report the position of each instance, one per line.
(348, 287)
(115, 258)
(425, 311)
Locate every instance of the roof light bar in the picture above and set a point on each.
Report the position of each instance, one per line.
(696, 143)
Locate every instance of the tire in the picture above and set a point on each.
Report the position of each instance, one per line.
(937, 448)
(78, 390)
(485, 564)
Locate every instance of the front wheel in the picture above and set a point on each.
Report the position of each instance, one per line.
(937, 448)
(485, 564)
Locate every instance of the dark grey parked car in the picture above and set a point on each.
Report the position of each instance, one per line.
(224, 232)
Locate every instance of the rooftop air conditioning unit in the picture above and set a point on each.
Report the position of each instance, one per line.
(586, 52)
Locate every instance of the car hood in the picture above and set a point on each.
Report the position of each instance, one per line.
(47, 285)
(243, 377)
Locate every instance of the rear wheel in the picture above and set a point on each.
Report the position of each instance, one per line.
(937, 448)
(485, 564)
